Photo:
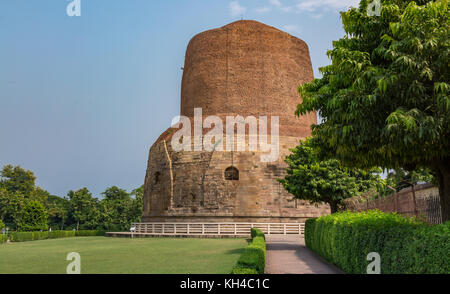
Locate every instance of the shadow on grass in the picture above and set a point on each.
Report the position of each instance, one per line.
(235, 251)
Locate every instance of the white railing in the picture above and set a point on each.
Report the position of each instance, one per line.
(217, 228)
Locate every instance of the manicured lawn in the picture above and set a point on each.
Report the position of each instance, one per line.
(123, 255)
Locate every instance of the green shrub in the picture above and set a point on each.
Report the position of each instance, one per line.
(253, 260)
(3, 238)
(90, 233)
(244, 271)
(32, 236)
(405, 245)
(254, 232)
(33, 217)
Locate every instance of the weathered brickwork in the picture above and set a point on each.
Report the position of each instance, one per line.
(425, 205)
(245, 68)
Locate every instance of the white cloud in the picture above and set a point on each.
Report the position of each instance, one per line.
(236, 9)
(263, 9)
(276, 3)
(316, 15)
(315, 5)
(279, 5)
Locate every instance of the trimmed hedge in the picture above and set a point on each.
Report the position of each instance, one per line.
(90, 233)
(33, 236)
(253, 260)
(254, 232)
(3, 238)
(405, 245)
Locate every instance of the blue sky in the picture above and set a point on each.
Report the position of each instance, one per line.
(83, 98)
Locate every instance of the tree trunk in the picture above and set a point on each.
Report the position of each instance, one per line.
(443, 178)
(334, 206)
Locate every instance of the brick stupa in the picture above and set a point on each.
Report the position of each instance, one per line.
(244, 68)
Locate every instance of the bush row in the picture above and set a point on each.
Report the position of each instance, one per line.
(32, 236)
(3, 238)
(254, 232)
(253, 260)
(405, 245)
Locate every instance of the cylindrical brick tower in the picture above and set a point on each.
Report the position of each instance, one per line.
(245, 68)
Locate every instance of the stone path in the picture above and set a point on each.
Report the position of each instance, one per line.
(287, 254)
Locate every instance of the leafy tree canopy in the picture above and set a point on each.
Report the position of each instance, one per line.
(33, 217)
(16, 179)
(315, 180)
(84, 208)
(385, 100)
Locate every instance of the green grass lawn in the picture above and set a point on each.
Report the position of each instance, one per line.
(123, 255)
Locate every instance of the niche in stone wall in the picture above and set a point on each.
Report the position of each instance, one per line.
(231, 174)
(157, 175)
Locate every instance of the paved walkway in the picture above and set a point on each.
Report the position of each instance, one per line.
(287, 254)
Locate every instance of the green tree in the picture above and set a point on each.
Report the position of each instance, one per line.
(57, 211)
(116, 207)
(137, 204)
(33, 217)
(16, 179)
(309, 178)
(11, 206)
(401, 178)
(83, 209)
(384, 100)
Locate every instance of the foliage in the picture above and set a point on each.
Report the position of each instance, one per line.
(315, 180)
(384, 100)
(119, 209)
(405, 245)
(11, 206)
(253, 260)
(137, 204)
(83, 208)
(3, 237)
(16, 179)
(254, 232)
(33, 236)
(80, 210)
(33, 217)
(87, 233)
(57, 211)
(244, 271)
(400, 178)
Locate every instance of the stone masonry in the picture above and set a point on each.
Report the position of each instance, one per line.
(245, 68)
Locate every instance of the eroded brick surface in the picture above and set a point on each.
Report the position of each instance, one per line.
(244, 68)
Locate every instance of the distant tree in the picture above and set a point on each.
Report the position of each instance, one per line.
(57, 211)
(83, 208)
(2, 225)
(33, 217)
(116, 207)
(16, 179)
(400, 178)
(309, 178)
(40, 195)
(385, 99)
(137, 204)
(11, 206)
